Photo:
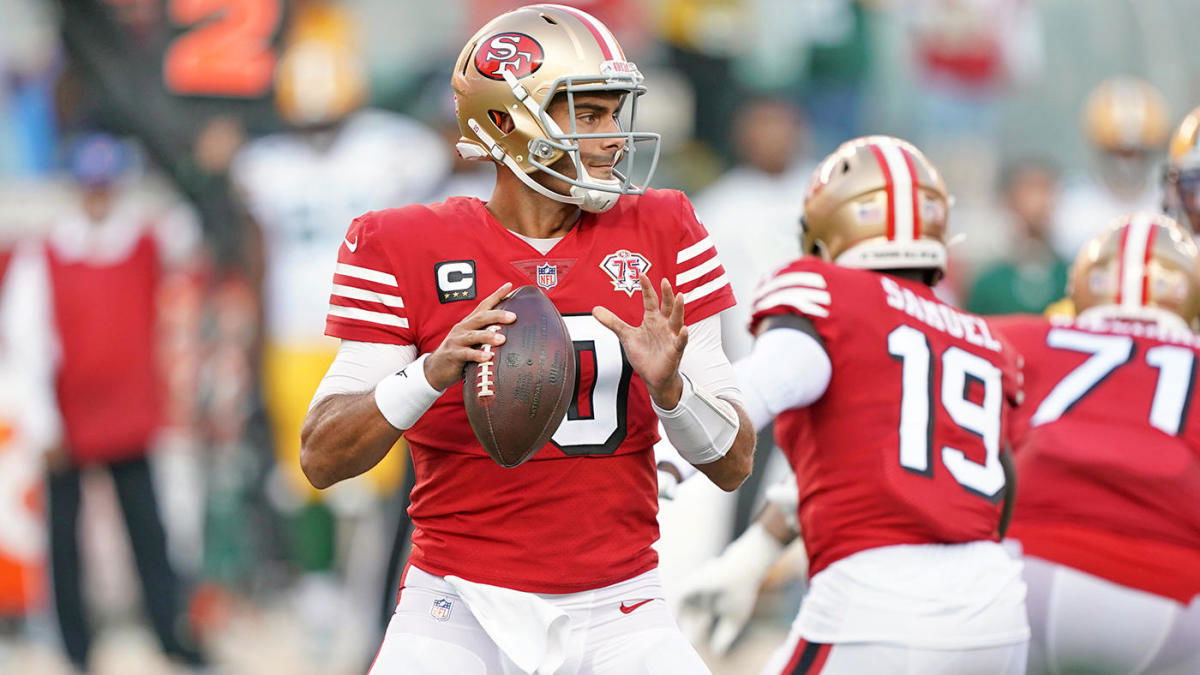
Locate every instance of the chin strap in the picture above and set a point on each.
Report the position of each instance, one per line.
(596, 201)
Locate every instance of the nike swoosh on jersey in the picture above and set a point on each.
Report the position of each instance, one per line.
(352, 245)
(625, 609)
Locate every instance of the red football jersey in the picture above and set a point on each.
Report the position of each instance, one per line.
(581, 513)
(1108, 457)
(903, 447)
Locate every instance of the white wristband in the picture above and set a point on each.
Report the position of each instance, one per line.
(403, 397)
(702, 427)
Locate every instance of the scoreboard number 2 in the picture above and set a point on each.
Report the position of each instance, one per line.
(228, 50)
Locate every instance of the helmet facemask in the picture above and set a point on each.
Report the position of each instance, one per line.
(588, 192)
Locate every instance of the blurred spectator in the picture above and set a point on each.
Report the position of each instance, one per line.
(87, 342)
(751, 211)
(1126, 124)
(967, 52)
(302, 189)
(466, 178)
(820, 52)
(1032, 275)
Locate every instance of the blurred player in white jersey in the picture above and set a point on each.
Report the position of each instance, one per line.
(300, 188)
(1126, 124)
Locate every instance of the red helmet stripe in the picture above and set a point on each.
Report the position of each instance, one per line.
(1150, 231)
(604, 37)
(891, 190)
(916, 208)
(1121, 262)
(1134, 254)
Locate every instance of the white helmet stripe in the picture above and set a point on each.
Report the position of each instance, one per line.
(903, 182)
(608, 43)
(1133, 259)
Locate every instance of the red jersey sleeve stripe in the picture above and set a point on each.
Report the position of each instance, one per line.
(366, 274)
(367, 316)
(694, 273)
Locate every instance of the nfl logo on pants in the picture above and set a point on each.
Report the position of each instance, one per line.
(441, 609)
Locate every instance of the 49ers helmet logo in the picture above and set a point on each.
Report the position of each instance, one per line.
(517, 53)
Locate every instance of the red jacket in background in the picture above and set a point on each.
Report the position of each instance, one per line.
(109, 389)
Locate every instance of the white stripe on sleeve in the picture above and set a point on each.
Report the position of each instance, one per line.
(368, 316)
(694, 250)
(365, 274)
(697, 271)
(370, 296)
(810, 301)
(706, 289)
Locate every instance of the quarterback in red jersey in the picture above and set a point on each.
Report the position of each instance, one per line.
(546, 567)
(1109, 457)
(892, 408)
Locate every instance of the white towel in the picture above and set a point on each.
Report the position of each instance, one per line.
(528, 629)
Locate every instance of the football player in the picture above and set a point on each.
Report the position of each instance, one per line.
(1126, 122)
(892, 409)
(1109, 458)
(1181, 192)
(548, 565)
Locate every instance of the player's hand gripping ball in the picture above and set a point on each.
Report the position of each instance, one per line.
(516, 401)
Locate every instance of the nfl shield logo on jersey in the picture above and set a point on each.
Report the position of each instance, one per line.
(441, 609)
(547, 276)
(626, 269)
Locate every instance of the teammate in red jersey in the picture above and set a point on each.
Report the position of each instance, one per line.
(546, 567)
(1109, 458)
(892, 409)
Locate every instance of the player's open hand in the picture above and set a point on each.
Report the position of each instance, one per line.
(655, 347)
(465, 341)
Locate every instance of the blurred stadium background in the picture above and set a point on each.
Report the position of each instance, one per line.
(163, 107)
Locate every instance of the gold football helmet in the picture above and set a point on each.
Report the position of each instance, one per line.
(877, 203)
(517, 64)
(319, 78)
(1144, 266)
(1182, 189)
(1126, 115)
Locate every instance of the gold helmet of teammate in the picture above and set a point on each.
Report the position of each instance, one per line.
(1144, 266)
(320, 77)
(1182, 182)
(1125, 119)
(515, 66)
(877, 203)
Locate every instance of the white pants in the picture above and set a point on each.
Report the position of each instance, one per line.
(1082, 623)
(800, 657)
(622, 629)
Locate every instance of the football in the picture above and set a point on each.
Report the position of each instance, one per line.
(516, 401)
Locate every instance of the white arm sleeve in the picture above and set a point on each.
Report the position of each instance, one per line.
(705, 364)
(787, 369)
(704, 361)
(359, 366)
